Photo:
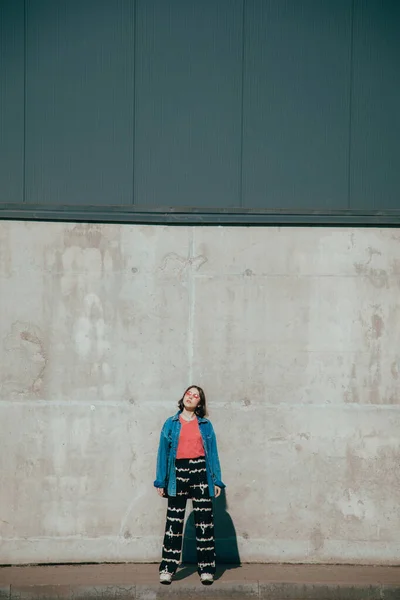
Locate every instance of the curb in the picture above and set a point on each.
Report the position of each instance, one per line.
(223, 591)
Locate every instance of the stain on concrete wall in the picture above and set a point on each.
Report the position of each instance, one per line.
(293, 334)
(24, 359)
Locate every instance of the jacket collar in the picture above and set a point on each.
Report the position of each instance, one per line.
(200, 419)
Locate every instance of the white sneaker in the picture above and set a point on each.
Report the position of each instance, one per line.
(165, 578)
(206, 578)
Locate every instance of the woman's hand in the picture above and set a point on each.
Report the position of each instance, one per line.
(160, 492)
(217, 491)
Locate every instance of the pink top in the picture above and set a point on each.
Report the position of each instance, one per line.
(190, 443)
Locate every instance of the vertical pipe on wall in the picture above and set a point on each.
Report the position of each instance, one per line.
(350, 102)
(242, 109)
(24, 114)
(134, 98)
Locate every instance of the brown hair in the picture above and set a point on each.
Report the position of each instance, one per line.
(201, 408)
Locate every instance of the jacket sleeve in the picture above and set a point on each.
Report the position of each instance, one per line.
(162, 460)
(216, 467)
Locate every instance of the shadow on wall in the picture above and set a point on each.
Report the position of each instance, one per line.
(226, 547)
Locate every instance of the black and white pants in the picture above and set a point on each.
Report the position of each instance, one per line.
(191, 482)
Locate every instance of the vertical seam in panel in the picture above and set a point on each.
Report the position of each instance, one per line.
(24, 111)
(350, 104)
(134, 99)
(242, 110)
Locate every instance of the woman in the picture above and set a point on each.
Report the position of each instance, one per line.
(188, 467)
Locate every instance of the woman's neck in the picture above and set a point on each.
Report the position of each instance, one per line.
(188, 414)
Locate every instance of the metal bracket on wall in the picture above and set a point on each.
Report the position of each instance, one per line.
(192, 216)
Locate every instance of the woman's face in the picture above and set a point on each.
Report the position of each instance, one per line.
(191, 399)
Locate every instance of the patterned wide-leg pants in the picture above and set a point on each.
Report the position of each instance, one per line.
(191, 482)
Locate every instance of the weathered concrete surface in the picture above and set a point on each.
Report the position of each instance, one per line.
(294, 334)
(272, 582)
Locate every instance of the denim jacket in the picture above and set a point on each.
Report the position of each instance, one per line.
(169, 438)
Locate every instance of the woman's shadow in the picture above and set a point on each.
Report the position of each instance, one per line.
(226, 547)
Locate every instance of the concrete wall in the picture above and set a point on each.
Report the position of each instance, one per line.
(294, 334)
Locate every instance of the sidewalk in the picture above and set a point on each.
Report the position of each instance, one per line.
(255, 581)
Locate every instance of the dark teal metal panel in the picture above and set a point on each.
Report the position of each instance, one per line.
(188, 103)
(296, 103)
(79, 102)
(303, 149)
(11, 100)
(375, 124)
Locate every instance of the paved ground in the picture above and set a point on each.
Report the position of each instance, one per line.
(140, 581)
